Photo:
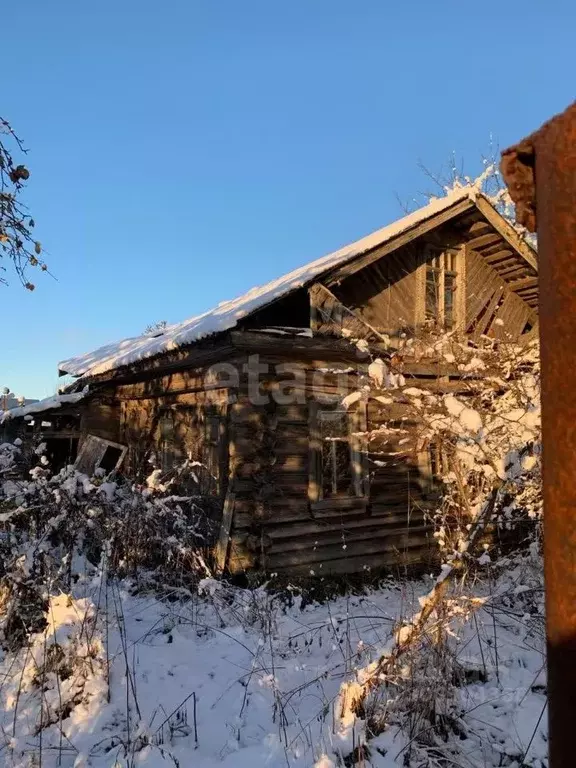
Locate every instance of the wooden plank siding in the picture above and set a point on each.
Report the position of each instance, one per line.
(101, 418)
(492, 308)
(278, 524)
(384, 293)
(511, 318)
(139, 424)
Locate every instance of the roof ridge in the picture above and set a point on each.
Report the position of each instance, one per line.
(227, 314)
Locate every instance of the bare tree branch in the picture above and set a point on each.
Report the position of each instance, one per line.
(17, 243)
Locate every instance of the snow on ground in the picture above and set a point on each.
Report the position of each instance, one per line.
(241, 679)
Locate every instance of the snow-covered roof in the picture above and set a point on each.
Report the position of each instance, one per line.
(228, 313)
(49, 403)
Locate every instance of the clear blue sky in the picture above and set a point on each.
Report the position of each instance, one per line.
(182, 152)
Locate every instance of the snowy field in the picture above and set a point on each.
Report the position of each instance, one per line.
(242, 679)
(443, 672)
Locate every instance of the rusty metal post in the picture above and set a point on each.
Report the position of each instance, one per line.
(541, 175)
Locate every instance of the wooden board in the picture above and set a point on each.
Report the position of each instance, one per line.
(92, 452)
(513, 315)
(328, 316)
(383, 295)
(222, 546)
(509, 233)
(482, 283)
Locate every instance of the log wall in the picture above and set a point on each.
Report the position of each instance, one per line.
(101, 417)
(277, 529)
(188, 396)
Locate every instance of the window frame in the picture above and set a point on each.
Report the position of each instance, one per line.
(166, 442)
(92, 451)
(211, 423)
(215, 448)
(356, 422)
(441, 263)
(330, 477)
(433, 464)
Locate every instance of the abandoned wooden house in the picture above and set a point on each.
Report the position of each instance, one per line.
(252, 390)
(54, 421)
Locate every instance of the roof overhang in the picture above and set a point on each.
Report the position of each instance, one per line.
(330, 269)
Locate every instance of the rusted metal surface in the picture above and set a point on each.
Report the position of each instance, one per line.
(541, 176)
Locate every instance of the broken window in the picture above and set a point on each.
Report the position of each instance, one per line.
(440, 288)
(215, 450)
(97, 453)
(434, 464)
(167, 448)
(337, 458)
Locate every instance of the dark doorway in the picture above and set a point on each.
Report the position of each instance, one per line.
(61, 451)
(110, 459)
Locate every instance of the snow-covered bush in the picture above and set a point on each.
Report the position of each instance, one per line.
(485, 435)
(482, 428)
(60, 529)
(8, 456)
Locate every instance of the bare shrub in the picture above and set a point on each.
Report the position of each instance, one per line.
(61, 529)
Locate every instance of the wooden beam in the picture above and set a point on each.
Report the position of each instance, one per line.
(292, 346)
(479, 228)
(484, 323)
(512, 271)
(512, 264)
(168, 393)
(490, 250)
(65, 434)
(221, 554)
(505, 253)
(319, 288)
(373, 255)
(315, 454)
(489, 239)
(526, 282)
(508, 232)
(339, 504)
(195, 356)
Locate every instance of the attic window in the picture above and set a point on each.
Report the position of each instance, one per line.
(440, 288)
